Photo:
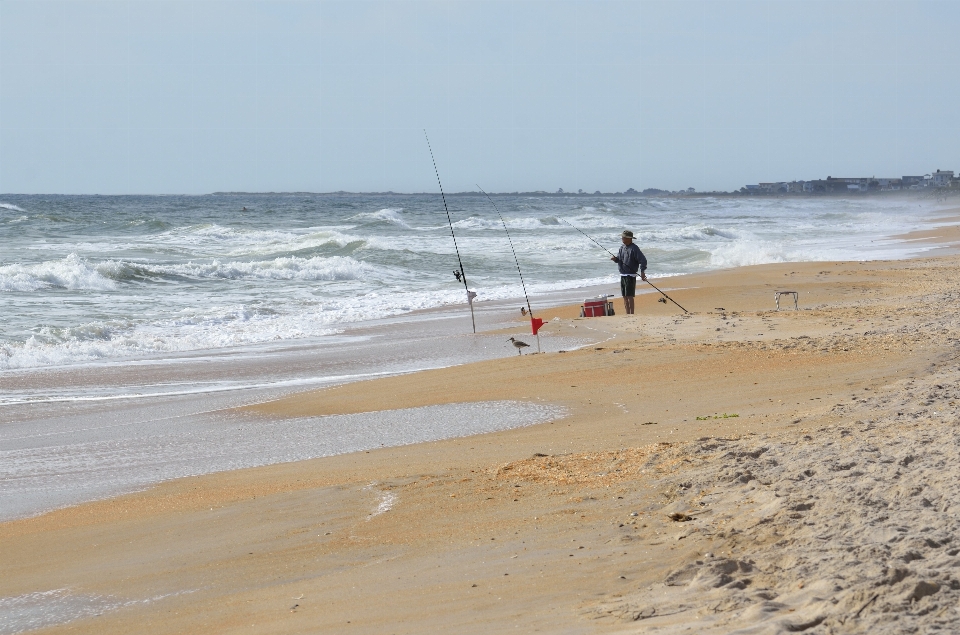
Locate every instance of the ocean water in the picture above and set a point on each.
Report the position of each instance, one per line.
(81, 458)
(96, 278)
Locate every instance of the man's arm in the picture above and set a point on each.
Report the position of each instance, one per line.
(643, 265)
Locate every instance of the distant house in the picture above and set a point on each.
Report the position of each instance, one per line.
(889, 184)
(911, 182)
(848, 184)
(941, 178)
(752, 188)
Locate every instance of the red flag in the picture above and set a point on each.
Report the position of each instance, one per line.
(535, 324)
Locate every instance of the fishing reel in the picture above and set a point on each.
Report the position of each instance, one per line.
(664, 300)
(458, 275)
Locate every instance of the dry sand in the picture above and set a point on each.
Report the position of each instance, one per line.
(737, 468)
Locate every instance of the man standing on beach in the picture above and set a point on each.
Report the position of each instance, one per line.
(629, 259)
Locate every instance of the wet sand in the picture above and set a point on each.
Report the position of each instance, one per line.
(735, 468)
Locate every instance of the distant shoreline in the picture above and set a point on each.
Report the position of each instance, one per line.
(923, 194)
(926, 194)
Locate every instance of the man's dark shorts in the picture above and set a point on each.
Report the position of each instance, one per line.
(628, 286)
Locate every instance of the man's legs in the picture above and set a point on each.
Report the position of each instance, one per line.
(628, 286)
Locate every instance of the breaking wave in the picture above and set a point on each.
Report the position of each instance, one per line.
(71, 272)
(234, 325)
(746, 252)
(233, 242)
(477, 222)
(593, 221)
(75, 273)
(285, 268)
(389, 215)
(11, 207)
(690, 232)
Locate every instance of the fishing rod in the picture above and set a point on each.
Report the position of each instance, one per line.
(534, 326)
(665, 295)
(595, 242)
(460, 275)
(612, 254)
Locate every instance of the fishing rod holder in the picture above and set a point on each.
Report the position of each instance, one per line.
(795, 295)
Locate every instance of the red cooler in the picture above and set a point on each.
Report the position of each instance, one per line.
(596, 308)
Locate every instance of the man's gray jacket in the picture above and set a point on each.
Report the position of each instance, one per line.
(630, 259)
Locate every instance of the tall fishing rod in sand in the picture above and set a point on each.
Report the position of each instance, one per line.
(535, 323)
(460, 275)
(614, 255)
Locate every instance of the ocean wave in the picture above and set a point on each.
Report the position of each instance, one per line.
(216, 234)
(220, 238)
(149, 223)
(207, 329)
(236, 325)
(11, 207)
(70, 272)
(478, 222)
(600, 208)
(284, 268)
(389, 215)
(221, 241)
(581, 221)
(122, 271)
(594, 221)
(689, 232)
(213, 329)
(742, 253)
(78, 274)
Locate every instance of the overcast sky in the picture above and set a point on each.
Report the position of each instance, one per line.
(201, 96)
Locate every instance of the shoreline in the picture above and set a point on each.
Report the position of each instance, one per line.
(392, 511)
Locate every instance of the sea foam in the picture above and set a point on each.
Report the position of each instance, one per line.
(285, 268)
(389, 215)
(71, 272)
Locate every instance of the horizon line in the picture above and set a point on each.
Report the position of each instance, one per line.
(657, 192)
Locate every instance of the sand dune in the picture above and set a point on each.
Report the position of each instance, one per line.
(851, 528)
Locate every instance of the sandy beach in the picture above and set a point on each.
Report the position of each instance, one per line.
(737, 469)
(269, 272)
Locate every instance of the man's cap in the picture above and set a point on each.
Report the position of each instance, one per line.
(627, 233)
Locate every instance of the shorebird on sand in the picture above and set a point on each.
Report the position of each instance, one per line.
(518, 345)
